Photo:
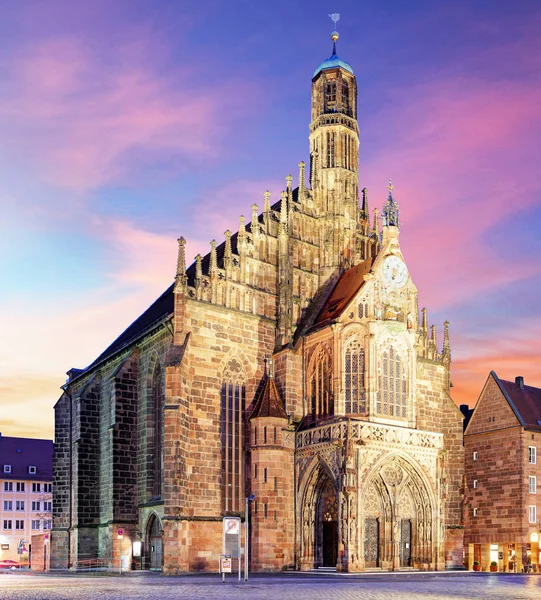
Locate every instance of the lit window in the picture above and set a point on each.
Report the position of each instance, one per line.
(475, 483)
(532, 455)
(532, 484)
(391, 398)
(532, 514)
(475, 512)
(475, 456)
(354, 375)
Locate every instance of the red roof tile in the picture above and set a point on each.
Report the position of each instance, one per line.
(347, 286)
(269, 403)
(525, 401)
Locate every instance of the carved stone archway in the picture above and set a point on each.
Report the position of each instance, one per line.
(319, 518)
(397, 506)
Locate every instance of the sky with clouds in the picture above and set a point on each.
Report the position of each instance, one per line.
(126, 124)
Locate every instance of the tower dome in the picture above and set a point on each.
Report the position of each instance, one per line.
(333, 62)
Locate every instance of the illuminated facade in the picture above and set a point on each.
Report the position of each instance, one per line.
(290, 363)
(25, 494)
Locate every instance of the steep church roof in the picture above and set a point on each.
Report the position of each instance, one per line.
(347, 286)
(269, 403)
(525, 400)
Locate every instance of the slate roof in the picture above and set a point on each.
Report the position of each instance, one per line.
(163, 307)
(345, 289)
(525, 401)
(269, 403)
(21, 453)
(157, 312)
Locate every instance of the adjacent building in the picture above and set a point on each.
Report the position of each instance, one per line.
(25, 494)
(290, 363)
(503, 477)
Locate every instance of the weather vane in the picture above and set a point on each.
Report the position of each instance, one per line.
(335, 17)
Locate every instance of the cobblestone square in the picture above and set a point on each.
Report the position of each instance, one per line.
(291, 586)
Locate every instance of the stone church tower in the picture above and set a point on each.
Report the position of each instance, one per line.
(290, 363)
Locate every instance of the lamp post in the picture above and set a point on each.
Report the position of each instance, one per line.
(249, 499)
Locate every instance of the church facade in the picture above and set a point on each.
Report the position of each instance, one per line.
(290, 363)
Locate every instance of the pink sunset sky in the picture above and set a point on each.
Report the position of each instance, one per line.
(126, 124)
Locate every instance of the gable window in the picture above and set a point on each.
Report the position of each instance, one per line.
(532, 484)
(532, 455)
(391, 398)
(320, 381)
(354, 378)
(233, 405)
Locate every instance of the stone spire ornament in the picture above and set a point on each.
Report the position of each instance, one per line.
(181, 278)
(390, 212)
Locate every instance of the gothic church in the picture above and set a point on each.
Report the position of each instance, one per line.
(291, 363)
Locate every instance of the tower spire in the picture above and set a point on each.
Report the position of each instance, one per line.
(335, 17)
(390, 213)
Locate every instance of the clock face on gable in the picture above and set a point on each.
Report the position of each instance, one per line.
(395, 272)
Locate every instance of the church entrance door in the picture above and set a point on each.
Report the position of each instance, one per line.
(371, 543)
(154, 548)
(405, 543)
(330, 543)
(328, 523)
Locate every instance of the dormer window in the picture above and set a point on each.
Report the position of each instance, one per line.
(32, 470)
(7, 468)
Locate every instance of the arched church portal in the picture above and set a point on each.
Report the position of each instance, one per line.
(397, 510)
(154, 544)
(320, 522)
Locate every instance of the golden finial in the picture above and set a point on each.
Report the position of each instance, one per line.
(335, 17)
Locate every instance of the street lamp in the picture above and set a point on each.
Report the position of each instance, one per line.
(249, 499)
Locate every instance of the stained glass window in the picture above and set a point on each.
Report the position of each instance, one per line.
(354, 378)
(392, 389)
(232, 436)
(321, 385)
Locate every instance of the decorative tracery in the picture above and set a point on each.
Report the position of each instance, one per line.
(233, 405)
(392, 389)
(320, 381)
(354, 378)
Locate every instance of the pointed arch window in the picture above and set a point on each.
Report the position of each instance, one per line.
(354, 378)
(330, 149)
(155, 437)
(322, 402)
(345, 97)
(233, 406)
(392, 388)
(330, 96)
